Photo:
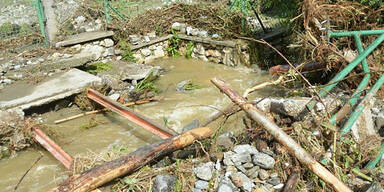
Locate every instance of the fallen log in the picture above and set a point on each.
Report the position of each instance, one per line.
(294, 149)
(102, 174)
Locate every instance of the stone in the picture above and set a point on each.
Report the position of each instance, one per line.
(195, 32)
(108, 42)
(253, 173)
(203, 33)
(225, 140)
(152, 34)
(263, 174)
(80, 19)
(188, 30)
(147, 39)
(263, 160)
(200, 184)
(227, 60)
(196, 190)
(259, 190)
(118, 58)
(75, 47)
(204, 171)
(224, 188)
(7, 81)
(95, 50)
(164, 183)
(274, 181)
(114, 97)
(242, 181)
(202, 57)
(375, 187)
(240, 158)
(246, 148)
(146, 52)
(279, 186)
(215, 36)
(109, 52)
(4, 152)
(149, 59)
(248, 165)
(199, 49)
(176, 26)
(159, 52)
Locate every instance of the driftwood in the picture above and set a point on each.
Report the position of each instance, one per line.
(104, 110)
(293, 148)
(102, 174)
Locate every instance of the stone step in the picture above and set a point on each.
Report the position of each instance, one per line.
(84, 37)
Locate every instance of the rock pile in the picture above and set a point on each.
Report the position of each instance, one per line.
(242, 169)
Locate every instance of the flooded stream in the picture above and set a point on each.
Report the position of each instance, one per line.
(178, 110)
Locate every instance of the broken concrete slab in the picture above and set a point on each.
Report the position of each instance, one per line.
(23, 95)
(84, 37)
(75, 61)
(131, 71)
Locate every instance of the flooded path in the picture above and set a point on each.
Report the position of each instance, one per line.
(178, 110)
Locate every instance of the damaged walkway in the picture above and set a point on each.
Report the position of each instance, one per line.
(57, 87)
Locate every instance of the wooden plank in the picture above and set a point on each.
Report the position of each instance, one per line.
(158, 40)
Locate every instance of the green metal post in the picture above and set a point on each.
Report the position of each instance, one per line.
(352, 65)
(372, 164)
(42, 19)
(363, 84)
(359, 109)
(117, 12)
(351, 33)
(106, 10)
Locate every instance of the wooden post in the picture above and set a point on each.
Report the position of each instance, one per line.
(293, 148)
(102, 174)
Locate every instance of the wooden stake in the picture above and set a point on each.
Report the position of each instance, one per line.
(102, 174)
(293, 148)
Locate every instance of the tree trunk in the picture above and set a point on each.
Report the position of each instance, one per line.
(293, 148)
(102, 174)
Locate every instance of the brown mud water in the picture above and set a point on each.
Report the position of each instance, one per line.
(109, 132)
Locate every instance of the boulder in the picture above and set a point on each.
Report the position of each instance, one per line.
(164, 183)
(204, 171)
(242, 181)
(264, 161)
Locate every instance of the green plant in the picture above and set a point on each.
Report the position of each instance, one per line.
(147, 84)
(173, 48)
(191, 86)
(190, 48)
(127, 55)
(98, 67)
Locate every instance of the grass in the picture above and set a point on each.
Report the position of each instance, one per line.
(147, 84)
(98, 67)
(190, 48)
(127, 54)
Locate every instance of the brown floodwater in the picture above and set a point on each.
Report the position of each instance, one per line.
(178, 110)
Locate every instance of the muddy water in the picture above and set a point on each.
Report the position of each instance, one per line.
(179, 109)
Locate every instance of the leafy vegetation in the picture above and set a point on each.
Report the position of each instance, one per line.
(174, 43)
(148, 83)
(127, 54)
(190, 48)
(98, 67)
(191, 86)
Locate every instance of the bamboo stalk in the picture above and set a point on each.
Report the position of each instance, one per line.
(95, 177)
(105, 109)
(294, 149)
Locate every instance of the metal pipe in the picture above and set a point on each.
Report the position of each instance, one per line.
(352, 65)
(351, 33)
(359, 109)
(53, 148)
(130, 115)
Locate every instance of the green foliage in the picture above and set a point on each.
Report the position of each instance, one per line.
(191, 86)
(174, 43)
(244, 6)
(190, 48)
(89, 125)
(98, 67)
(7, 29)
(282, 8)
(130, 183)
(127, 54)
(147, 84)
(178, 186)
(372, 3)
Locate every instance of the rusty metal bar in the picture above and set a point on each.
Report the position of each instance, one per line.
(53, 148)
(134, 117)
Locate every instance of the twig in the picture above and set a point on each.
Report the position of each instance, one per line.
(293, 179)
(21, 179)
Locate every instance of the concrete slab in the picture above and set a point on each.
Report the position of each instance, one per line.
(59, 86)
(84, 37)
(131, 71)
